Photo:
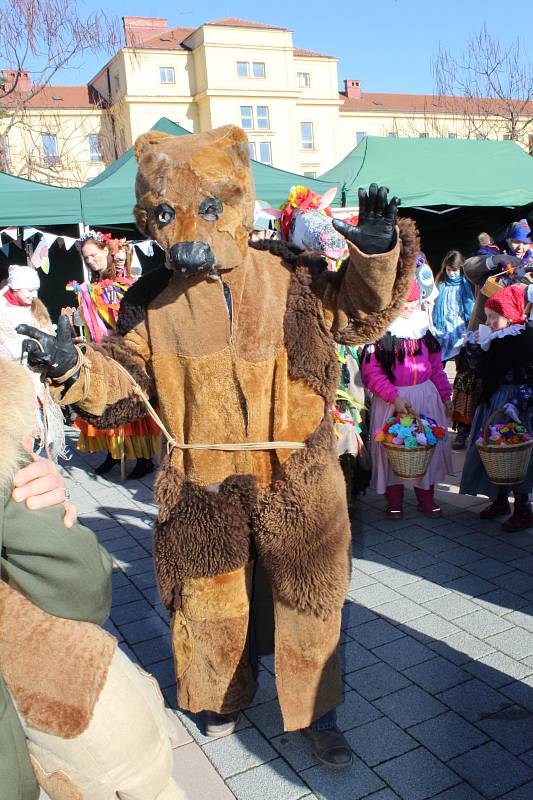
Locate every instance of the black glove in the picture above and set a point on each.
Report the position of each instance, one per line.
(52, 356)
(376, 230)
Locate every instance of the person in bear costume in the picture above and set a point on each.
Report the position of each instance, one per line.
(237, 340)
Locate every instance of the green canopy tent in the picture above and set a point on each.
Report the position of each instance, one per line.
(454, 188)
(24, 202)
(109, 198)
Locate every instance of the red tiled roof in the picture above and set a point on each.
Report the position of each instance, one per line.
(233, 22)
(299, 53)
(429, 104)
(53, 97)
(175, 35)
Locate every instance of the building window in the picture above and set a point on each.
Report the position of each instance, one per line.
(95, 152)
(243, 69)
(50, 149)
(166, 75)
(6, 152)
(304, 80)
(392, 134)
(263, 118)
(251, 146)
(309, 174)
(452, 136)
(359, 136)
(423, 135)
(306, 135)
(265, 152)
(258, 69)
(506, 137)
(247, 118)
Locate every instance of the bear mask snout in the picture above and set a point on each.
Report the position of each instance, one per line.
(191, 257)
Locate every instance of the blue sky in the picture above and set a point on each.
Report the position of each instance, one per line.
(388, 45)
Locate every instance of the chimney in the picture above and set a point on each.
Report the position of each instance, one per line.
(9, 78)
(352, 89)
(138, 29)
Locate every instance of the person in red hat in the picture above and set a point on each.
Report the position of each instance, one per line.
(502, 351)
(404, 372)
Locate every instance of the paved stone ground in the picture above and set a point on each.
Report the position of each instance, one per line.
(438, 657)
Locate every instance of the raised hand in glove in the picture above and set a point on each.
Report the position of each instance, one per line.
(375, 231)
(52, 356)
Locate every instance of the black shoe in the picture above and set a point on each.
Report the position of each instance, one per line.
(459, 442)
(144, 466)
(107, 465)
(330, 747)
(218, 725)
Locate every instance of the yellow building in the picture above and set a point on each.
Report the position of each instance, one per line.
(226, 71)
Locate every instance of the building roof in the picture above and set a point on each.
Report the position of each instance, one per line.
(233, 22)
(429, 104)
(50, 97)
(299, 53)
(172, 39)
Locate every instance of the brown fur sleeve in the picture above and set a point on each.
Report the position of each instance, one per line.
(372, 289)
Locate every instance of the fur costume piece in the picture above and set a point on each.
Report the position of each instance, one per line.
(237, 341)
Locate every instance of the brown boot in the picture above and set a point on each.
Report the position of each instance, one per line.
(521, 519)
(330, 747)
(499, 508)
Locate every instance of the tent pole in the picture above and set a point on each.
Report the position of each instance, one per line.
(82, 228)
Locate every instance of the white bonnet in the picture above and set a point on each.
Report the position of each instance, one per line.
(20, 277)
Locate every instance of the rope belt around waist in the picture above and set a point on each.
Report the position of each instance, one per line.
(172, 443)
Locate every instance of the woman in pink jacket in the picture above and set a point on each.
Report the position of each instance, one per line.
(404, 372)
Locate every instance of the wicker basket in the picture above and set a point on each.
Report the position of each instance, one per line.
(507, 464)
(412, 462)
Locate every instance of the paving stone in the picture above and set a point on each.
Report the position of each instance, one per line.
(409, 706)
(476, 541)
(470, 585)
(129, 612)
(143, 580)
(489, 568)
(451, 606)
(403, 610)
(354, 711)
(125, 594)
(422, 591)
(512, 728)
(447, 736)
(501, 602)
(453, 529)
(436, 675)
(152, 650)
(522, 793)
(164, 672)
(360, 579)
(385, 794)
(398, 578)
(429, 628)
(441, 573)
(195, 775)
(327, 784)
(118, 578)
(355, 657)
(460, 556)
(374, 633)
(460, 792)
(436, 545)
(112, 629)
(416, 560)
(491, 770)
(504, 552)
(497, 669)
(379, 740)
(516, 646)
(525, 564)
(266, 717)
(239, 752)
(376, 681)
(371, 567)
(521, 692)
(483, 624)
(523, 618)
(393, 548)
(417, 775)
(462, 647)
(403, 653)
(474, 700)
(516, 581)
(295, 750)
(194, 723)
(143, 629)
(376, 595)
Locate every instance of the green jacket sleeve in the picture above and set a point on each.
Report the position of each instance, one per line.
(62, 570)
(17, 781)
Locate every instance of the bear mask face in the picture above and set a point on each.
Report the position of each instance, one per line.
(195, 197)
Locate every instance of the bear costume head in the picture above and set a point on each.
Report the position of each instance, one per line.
(195, 197)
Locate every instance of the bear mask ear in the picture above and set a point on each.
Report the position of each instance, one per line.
(146, 141)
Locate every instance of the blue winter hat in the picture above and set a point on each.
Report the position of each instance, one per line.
(519, 232)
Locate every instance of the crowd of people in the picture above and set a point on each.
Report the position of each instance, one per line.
(476, 314)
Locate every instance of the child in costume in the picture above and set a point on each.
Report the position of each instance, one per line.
(502, 354)
(75, 713)
(403, 370)
(99, 303)
(453, 306)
